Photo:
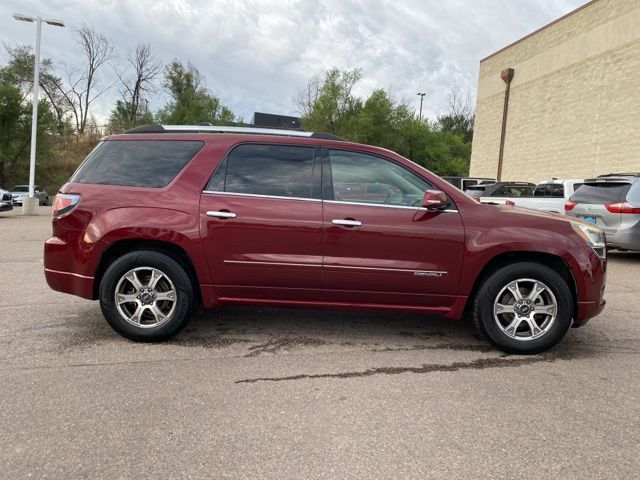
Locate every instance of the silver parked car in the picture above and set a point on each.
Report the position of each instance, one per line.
(20, 191)
(611, 202)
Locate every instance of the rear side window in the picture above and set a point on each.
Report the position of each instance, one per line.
(514, 191)
(136, 163)
(271, 170)
(555, 190)
(601, 192)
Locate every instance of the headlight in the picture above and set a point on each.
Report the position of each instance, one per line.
(594, 237)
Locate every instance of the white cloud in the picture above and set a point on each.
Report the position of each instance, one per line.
(255, 54)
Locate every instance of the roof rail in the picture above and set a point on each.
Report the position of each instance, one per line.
(628, 174)
(202, 128)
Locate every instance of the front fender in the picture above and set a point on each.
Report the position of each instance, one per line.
(484, 245)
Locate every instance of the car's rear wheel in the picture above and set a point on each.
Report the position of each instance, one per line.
(523, 308)
(146, 296)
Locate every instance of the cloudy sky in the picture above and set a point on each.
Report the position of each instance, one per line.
(256, 54)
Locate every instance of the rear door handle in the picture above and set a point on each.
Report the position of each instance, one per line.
(221, 214)
(347, 222)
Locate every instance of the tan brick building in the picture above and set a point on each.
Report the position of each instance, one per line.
(574, 100)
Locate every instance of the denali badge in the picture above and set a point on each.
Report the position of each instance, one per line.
(429, 273)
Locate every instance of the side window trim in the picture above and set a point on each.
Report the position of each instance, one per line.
(316, 173)
(327, 182)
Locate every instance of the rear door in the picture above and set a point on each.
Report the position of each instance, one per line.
(261, 223)
(381, 246)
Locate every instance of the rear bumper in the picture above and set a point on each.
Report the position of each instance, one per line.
(629, 239)
(68, 282)
(59, 259)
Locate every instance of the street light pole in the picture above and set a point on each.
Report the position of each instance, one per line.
(34, 114)
(421, 98)
(29, 204)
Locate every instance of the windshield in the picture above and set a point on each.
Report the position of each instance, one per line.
(20, 188)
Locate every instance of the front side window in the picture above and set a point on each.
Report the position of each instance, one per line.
(362, 178)
(271, 170)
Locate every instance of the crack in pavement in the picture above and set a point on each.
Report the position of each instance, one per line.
(274, 346)
(479, 364)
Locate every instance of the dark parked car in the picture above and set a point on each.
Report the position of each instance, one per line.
(612, 202)
(5, 201)
(501, 189)
(160, 219)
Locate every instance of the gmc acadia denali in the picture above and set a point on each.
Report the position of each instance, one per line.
(162, 218)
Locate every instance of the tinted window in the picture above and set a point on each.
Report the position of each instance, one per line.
(549, 190)
(274, 170)
(601, 192)
(514, 191)
(138, 163)
(20, 188)
(358, 177)
(475, 191)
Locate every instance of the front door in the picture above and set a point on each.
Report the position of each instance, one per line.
(381, 246)
(261, 223)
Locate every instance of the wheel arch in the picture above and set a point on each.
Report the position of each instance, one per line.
(124, 246)
(506, 258)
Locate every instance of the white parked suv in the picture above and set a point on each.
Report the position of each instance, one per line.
(549, 196)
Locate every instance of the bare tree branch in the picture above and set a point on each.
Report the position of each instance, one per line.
(84, 88)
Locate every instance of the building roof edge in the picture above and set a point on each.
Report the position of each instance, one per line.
(572, 12)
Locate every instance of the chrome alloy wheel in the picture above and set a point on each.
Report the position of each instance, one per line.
(145, 297)
(525, 309)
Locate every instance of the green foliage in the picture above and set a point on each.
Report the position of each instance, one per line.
(382, 121)
(191, 103)
(124, 117)
(15, 127)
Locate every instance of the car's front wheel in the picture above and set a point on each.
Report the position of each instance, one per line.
(146, 296)
(523, 308)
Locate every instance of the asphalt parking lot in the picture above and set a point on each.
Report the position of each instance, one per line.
(281, 393)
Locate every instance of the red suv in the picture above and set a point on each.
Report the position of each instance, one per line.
(162, 218)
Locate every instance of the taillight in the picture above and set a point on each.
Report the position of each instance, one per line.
(569, 205)
(621, 207)
(64, 203)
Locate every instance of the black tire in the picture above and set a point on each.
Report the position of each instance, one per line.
(492, 286)
(174, 273)
(46, 201)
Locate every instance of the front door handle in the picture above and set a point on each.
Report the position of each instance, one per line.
(347, 222)
(221, 214)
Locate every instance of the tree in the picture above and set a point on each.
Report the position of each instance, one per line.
(20, 66)
(334, 105)
(84, 88)
(306, 97)
(331, 106)
(15, 127)
(191, 102)
(460, 117)
(136, 81)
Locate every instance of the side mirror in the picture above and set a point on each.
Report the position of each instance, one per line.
(434, 200)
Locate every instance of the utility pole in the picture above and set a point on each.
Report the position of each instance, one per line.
(29, 204)
(421, 95)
